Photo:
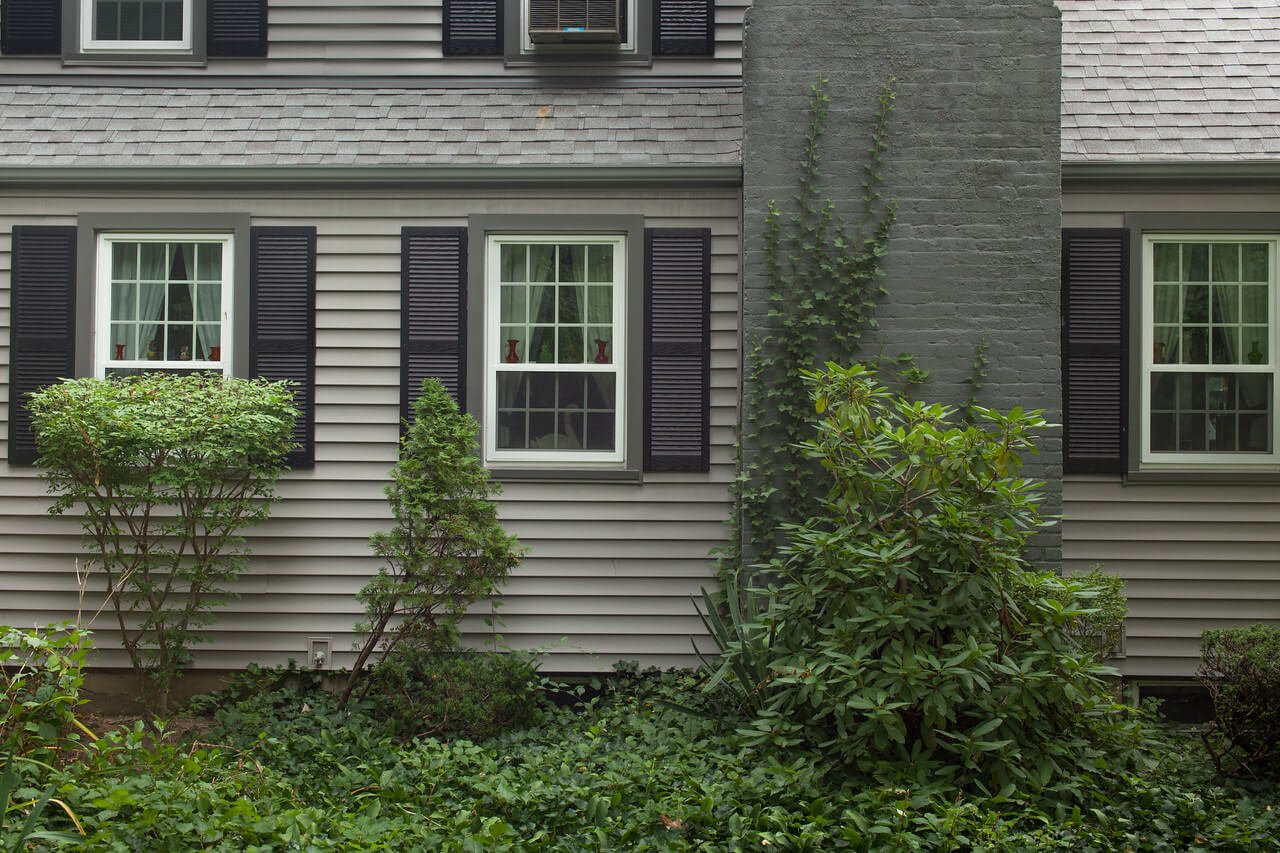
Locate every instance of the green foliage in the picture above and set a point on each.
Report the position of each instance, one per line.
(908, 632)
(447, 548)
(622, 772)
(1241, 669)
(977, 376)
(166, 471)
(1100, 629)
(40, 679)
(469, 694)
(823, 285)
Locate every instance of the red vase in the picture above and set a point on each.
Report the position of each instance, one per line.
(215, 353)
(601, 357)
(119, 352)
(512, 357)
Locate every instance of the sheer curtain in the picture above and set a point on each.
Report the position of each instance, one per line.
(152, 269)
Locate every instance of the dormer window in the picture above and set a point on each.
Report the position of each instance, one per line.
(136, 26)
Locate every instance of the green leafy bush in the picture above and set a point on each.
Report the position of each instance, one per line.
(447, 548)
(1241, 669)
(166, 470)
(906, 630)
(41, 673)
(468, 694)
(1100, 630)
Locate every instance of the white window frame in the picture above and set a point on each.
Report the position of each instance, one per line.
(88, 44)
(493, 363)
(1207, 459)
(528, 46)
(102, 352)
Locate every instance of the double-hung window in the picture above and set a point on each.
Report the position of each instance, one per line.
(1209, 378)
(163, 302)
(554, 348)
(136, 26)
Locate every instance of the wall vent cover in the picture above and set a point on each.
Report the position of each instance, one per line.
(574, 21)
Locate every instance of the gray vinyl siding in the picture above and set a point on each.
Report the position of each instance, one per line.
(337, 38)
(612, 568)
(1194, 555)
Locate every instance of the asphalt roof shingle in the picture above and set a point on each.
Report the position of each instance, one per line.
(107, 126)
(1170, 80)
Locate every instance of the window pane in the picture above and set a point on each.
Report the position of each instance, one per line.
(512, 308)
(1226, 346)
(557, 415)
(511, 431)
(542, 304)
(124, 343)
(1254, 257)
(542, 263)
(1226, 262)
(570, 304)
(571, 349)
(106, 20)
(600, 304)
(1167, 262)
(1195, 346)
(1255, 391)
(512, 262)
(173, 20)
(1213, 412)
(180, 302)
(1257, 338)
(600, 263)
(1253, 304)
(542, 430)
(1195, 304)
(1255, 434)
(601, 338)
(573, 263)
(572, 426)
(208, 342)
(600, 430)
(512, 390)
(542, 345)
(124, 301)
(124, 261)
(152, 20)
(572, 390)
(1195, 262)
(1167, 305)
(1164, 434)
(542, 390)
(511, 348)
(1164, 390)
(151, 301)
(600, 391)
(151, 264)
(209, 262)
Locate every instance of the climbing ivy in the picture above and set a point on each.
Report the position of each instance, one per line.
(823, 279)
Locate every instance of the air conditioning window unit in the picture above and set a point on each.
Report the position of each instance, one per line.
(574, 21)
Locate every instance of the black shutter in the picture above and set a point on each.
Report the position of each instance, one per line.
(237, 28)
(30, 27)
(473, 27)
(42, 333)
(677, 349)
(282, 324)
(684, 27)
(433, 312)
(1095, 301)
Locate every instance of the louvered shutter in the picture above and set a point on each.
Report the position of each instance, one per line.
(1095, 299)
(684, 27)
(677, 348)
(282, 310)
(237, 28)
(42, 335)
(472, 27)
(433, 306)
(30, 27)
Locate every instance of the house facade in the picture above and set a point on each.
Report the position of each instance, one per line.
(543, 212)
(1171, 218)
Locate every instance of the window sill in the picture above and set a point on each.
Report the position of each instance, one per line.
(134, 61)
(562, 475)
(1204, 477)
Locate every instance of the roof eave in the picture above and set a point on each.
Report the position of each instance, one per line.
(1233, 171)
(371, 176)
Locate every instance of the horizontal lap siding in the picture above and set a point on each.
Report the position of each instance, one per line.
(612, 568)
(1193, 557)
(329, 38)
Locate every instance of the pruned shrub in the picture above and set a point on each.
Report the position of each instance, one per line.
(166, 471)
(446, 549)
(467, 694)
(1240, 667)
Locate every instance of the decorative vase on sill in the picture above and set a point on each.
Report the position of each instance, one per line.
(1255, 354)
(119, 352)
(601, 356)
(512, 357)
(215, 353)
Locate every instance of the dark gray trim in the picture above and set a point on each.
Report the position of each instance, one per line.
(1110, 171)
(392, 177)
(1147, 223)
(549, 78)
(478, 227)
(73, 55)
(587, 56)
(1202, 478)
(90, 225)
(526, 475)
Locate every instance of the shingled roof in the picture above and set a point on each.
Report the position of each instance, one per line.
(1170, 80)
(108, 126)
